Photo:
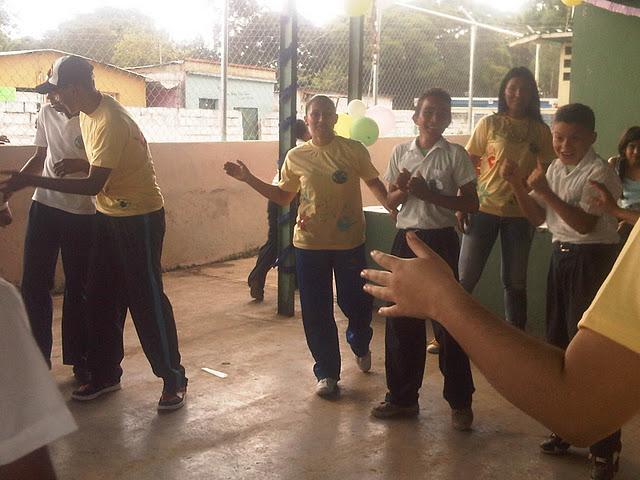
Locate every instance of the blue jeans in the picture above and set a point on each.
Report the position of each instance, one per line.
(516, 235)
(315, 270)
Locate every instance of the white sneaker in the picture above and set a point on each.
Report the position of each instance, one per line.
(327, 387)
(364, 362)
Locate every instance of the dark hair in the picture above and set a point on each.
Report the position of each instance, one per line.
(435, 92)
(300, 129)
(533, 109)
(319, 98)
(576, 113)
(631, 135)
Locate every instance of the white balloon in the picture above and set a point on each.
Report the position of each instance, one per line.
(356, 109)
(384, 117)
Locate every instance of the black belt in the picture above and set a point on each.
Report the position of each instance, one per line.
(566, 247)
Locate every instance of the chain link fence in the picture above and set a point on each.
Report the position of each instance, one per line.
(174, 90)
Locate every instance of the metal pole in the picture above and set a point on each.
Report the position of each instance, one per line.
(224, 65)
(537, 67)
(472, 59)
(376, 53)
(288, 83)
(356, 47)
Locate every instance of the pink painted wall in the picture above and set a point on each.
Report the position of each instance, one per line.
(209, 215)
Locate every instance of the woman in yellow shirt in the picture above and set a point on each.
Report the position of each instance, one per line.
(516, 132)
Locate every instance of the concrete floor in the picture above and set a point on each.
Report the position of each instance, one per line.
(264, 422)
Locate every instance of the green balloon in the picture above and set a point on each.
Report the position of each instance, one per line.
(365, 130)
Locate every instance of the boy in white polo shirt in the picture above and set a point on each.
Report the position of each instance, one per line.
(584, 241)
(59, 223)
(425, 176)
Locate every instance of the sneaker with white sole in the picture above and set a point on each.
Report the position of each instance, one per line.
(91, 391)
(327, 387)
(364, 362)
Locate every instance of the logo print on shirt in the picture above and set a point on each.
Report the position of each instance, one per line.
(340, 177)
(78, 143)
(344, 223)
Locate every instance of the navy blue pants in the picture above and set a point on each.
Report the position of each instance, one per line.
(51, 232)
(406, 338)
(575, 275)
(126, 274)
(315, 270)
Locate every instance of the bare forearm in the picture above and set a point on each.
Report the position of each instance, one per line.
(271, 192)
(380, 192)
(460, 203)
(79, 186)
(536, 377)
(396, 197)
(534, 212)
(581, 221)
(626, 215)
(33, 166)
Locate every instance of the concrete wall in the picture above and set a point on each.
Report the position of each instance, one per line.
(209, 215)
(605, 71)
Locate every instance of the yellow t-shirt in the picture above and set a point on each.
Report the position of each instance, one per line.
(615, 311)
(330, 214)
(499, 136)
(113, 140)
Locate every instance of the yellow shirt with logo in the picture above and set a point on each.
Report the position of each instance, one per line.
(113, 140)
(328, 177)
(497, 137)
(615, 311)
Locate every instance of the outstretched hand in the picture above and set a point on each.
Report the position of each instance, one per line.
(510, 172)
(237, 170)
(421, 287)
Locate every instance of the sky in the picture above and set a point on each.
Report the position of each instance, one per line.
(193, 17)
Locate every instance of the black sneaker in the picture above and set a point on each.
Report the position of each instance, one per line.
(554, 445)
(172, 401)
(256, 290)
(90, 391)
(605, 468)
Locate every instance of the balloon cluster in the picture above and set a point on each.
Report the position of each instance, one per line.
(365, 125)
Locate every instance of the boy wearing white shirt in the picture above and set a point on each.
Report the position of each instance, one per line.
(59, 223)
(584, 242)
(425, 176)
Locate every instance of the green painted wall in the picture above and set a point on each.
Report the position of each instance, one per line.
(605, 71)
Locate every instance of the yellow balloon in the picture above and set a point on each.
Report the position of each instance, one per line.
(572, 3)
(343, 125)
(357, 8)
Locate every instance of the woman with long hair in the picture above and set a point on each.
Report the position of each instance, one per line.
(516, 132)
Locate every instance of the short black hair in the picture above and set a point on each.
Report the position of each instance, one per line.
(578, 114)
(631, 135)
(533, 109)
(437, 92)
(320, 99)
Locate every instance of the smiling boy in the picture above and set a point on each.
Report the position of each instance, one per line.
(584, 241)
